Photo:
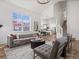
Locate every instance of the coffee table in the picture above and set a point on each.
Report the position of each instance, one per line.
(36, 43)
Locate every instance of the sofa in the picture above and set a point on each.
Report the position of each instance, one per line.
(19, 39)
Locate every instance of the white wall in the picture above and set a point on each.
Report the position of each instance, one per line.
(47, 12)
(54, 11)
(73, 17)
(59, 9)
(6, 20)
(47, 15)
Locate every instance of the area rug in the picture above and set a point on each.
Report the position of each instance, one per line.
(20, 52)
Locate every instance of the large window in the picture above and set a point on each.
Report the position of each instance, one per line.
(21, 22)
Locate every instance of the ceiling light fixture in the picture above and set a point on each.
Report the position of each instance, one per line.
(43, 1)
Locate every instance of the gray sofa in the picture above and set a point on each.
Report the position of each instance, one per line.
(20, 40)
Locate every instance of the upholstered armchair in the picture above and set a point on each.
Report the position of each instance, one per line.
(46, 51)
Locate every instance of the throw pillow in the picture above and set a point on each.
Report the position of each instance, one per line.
(14, 36)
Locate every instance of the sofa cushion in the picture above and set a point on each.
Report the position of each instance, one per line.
(44, 49)
(13, 36)
(29, 38)
(21, 41)
(25, 35)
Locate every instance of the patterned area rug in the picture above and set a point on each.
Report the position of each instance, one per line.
(21, 52)
(25, 52)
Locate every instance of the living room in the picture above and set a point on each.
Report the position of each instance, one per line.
(25, 24)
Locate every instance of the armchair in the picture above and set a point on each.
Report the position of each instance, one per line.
(46, 51)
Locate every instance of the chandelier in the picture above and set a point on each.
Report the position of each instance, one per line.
(43, 1)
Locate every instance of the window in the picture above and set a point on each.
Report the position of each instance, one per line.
(21, 22)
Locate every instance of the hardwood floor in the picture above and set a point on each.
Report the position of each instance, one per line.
(2, 53)
(74, 52)
(48, 37)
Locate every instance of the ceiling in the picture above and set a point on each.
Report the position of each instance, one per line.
(32, 5)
